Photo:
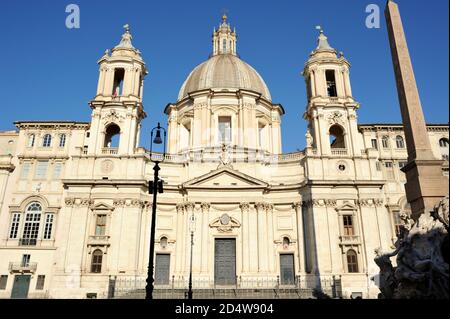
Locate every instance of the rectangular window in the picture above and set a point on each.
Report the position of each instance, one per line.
(331, 83)
(49, 218)
(374, 143)
(224, 129)
(100, 225)
(41, 169)
(261, 135)
(348, 225)
(402, 164)
(31, 228)
(378, 165)
(25, 170)
(389, 170)
(3, 281)
(40, 282)
(15, 223)
(57, 167)
(25, 260)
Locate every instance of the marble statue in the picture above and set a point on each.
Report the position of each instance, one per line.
(422, 270)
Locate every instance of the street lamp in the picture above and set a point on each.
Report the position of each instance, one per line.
(192, 229)
(154, 187)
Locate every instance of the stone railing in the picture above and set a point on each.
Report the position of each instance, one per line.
(349, 239)
(339, 151)
(234, 156)
(22, 267)
(110, 150)
(98, 240)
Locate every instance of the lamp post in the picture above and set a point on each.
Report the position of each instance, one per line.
(154, 187)
(192, 229)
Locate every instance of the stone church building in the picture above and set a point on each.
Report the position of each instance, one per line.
(75, 210)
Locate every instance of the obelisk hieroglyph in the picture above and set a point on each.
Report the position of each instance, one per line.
(426, 185)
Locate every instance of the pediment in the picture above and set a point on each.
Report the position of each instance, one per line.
(102, 206)
(347, 206)
(225, 178)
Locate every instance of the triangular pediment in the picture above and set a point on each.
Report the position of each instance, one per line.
(347, 206)
(102, 206)
(225, 178)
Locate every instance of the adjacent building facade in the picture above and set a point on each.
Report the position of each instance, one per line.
(75, 211)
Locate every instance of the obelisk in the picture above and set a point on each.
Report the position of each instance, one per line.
(426, 185)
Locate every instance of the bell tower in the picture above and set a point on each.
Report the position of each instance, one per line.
(331, 108)
(117, 109)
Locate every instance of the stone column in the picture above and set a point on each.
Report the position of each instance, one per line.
(252, 241)
(179, 239)
(262, 237)
(245, 207)
(205, 237)
(300, 236)
(270, 243)
(425, 185)
(189, 210)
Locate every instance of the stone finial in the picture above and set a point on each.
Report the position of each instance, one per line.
(125, 42)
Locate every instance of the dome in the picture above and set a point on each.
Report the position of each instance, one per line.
(224, 71)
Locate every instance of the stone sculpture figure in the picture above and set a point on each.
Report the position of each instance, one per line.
(422, 270)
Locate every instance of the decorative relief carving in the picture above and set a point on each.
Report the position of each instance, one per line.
(245, 207)
(107, 166)
(205, 207)
(321, 203)
(336, 118)
(200, 105)
(225, 224)
(370, 202)
(112, 116)
(78, 202)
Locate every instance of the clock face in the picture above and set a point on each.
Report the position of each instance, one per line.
(224, 219)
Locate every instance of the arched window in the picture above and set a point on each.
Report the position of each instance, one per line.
(400, 142)
(32, 222)
(31, 139)
(224, 44)
(47, 140)
(96, 263)
(112, 136)
(352, 261)
(62, 140)
(385, 141)
(443, 143)
(119, 75)
(331, 83)
(337, 137)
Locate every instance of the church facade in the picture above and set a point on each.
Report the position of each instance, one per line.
(75, 211)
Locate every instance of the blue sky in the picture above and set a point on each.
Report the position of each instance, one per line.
(49, 72)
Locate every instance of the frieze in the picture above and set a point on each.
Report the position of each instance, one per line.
(321, 203)
(370, 202)
(78, 202)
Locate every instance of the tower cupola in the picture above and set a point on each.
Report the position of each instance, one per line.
(224, 39)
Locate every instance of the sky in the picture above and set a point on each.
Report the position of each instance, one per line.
(49, 71)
